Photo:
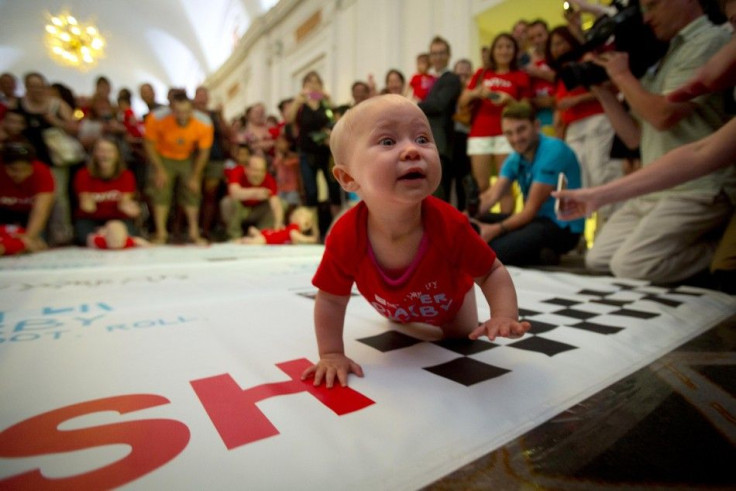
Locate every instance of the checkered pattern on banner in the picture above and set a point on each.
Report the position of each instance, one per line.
(589, 310)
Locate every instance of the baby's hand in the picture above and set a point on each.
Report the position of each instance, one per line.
(501, 326)
(329, 366)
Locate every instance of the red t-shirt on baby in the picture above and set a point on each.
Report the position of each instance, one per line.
(280, 236)
(100, 242)
(421, 84)
(431, 289)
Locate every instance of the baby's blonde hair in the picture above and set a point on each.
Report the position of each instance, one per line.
(342, 133)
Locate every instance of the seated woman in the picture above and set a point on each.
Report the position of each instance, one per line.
(105, 191)
(301, 230)
(26, 199)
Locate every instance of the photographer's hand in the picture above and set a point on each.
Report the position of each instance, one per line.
(616, 64)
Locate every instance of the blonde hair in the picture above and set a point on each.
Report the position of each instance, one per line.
(342, 132)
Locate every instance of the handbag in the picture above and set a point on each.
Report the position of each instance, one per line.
(465, 113)
(64, 149)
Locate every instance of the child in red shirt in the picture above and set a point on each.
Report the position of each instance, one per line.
(412, 256)
(114, 235)
(422, 81)
(301, 230)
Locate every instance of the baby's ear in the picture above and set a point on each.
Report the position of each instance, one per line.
(344, 178)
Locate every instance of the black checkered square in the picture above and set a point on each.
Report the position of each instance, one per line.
(389, 341)
(467, 371)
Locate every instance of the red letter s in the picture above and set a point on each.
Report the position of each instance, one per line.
(153, 442)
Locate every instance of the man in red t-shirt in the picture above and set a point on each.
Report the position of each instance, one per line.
(252, 198)
(26, 198)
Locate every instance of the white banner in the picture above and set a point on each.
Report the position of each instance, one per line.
(179, 368)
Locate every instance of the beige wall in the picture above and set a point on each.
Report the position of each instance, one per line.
(354, 38)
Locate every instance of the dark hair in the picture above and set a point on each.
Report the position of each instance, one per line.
(505, 35)
(341, 110)
(284, 102)
(564, 33)
(519, 110)
(66, 94)
(359, 83)
(125, 95)
(30, 75)
(441, 40)
(539, 22)
(398, 73)
(102, 80)
(17, 151)
(178, 95)
(310, 74)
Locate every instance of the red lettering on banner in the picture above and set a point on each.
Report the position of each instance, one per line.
(234, 413)
(153, 443)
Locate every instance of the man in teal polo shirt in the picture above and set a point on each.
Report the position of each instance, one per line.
(534, 235)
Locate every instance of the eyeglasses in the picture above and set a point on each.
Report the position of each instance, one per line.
(438, 53)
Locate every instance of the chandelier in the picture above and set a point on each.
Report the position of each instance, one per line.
(73, 43)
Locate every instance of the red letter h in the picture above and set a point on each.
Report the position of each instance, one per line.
(234, 413)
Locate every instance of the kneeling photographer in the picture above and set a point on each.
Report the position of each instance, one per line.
(669, 236)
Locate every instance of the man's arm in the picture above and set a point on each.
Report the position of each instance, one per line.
(195, 181)
(687, 162)
(626, 127)
(278, 211)
(538, 194)
(493, 195)
(719, 73)
(40, 212)
(238, 192)
(653, 108)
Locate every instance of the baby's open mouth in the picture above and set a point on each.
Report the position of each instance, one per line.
(412, 176)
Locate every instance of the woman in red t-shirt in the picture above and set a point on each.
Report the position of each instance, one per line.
(493, 88)
(105, 191)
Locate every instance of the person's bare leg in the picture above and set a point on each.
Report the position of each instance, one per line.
(480, 166)
(160, 213)
(192, 213)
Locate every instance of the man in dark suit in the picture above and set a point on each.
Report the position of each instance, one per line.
(439, 106)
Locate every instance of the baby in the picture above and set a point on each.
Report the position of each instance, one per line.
(113, 236)
(412, 256)
(300, 230)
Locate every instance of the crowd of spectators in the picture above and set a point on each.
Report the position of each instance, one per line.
(181, 173)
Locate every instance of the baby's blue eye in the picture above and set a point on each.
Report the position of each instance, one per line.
(422, 139)
(386, 141)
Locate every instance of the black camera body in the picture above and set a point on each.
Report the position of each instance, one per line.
(629, 34)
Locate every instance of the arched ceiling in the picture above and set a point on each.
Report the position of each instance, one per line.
(164, 42)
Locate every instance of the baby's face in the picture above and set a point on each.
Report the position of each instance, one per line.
(303, 218)
(391, 155)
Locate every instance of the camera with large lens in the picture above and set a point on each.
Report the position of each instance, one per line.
(624, 31)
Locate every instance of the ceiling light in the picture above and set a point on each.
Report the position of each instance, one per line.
(75, 43)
